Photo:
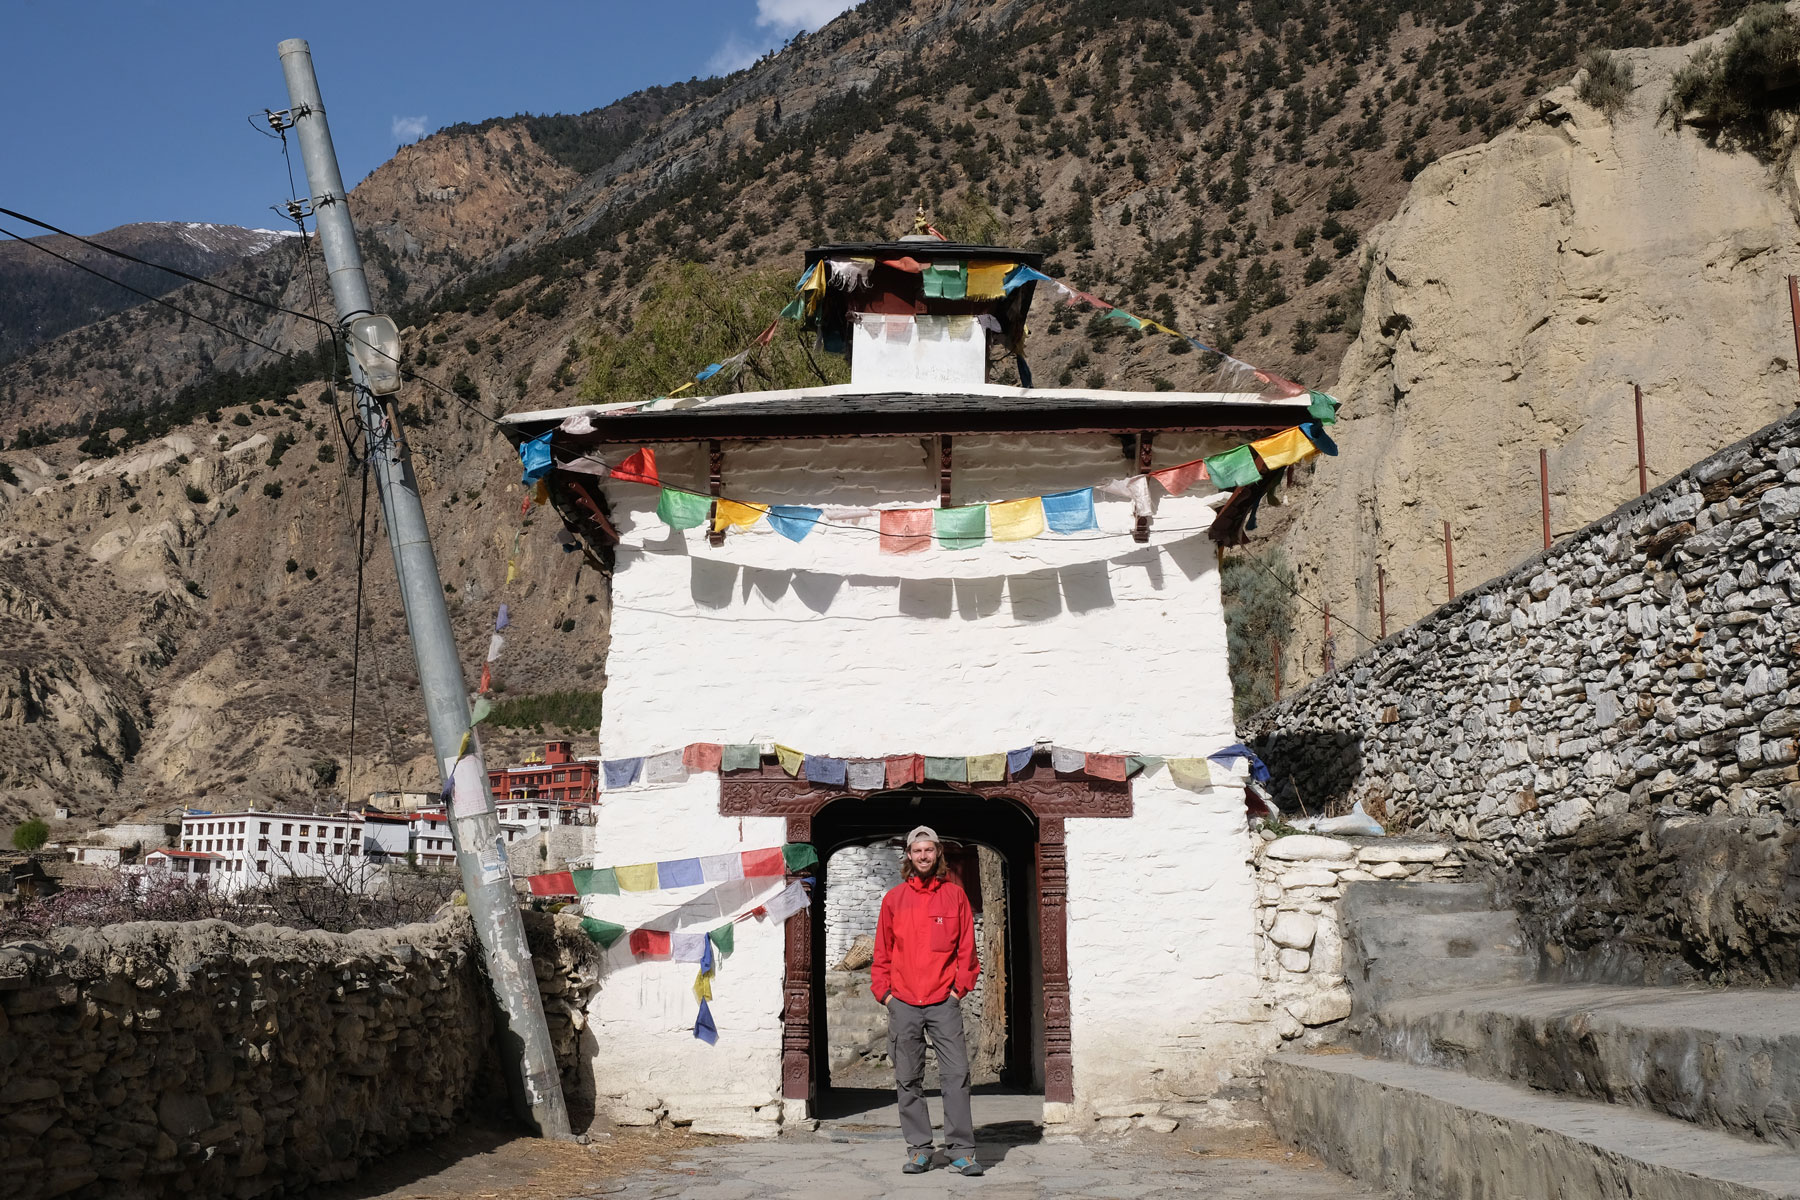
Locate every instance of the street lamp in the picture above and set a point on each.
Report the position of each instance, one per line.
(375, 340)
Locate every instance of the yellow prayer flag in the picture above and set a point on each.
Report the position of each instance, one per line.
(815, 280)
(1153, 327)
(1016, 520)
(1281, 449)
(732, 515)
(640, 877)
(987, 768)
(512, 571)
(1190, 773)
(703, 986)
(987, 280)
(789, 758)
(541, 493)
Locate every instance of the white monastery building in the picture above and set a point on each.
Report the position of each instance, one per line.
(924, 563)
(253, 847)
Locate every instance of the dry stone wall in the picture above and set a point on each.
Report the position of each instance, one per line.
(860, 876)
(206, 1059)
(1612, 725)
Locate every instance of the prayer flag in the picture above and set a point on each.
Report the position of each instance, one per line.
(1135, 488)
(686, 947)
(1124, 318)
(911, 266)
(761, 864)
(1275, 385)
(496, 643)
(722, 868)
(702, 756)
(866, 775)
(1141, 762)
(666, 767)
(620, 772)
(903, 769)
(961, 528)
(793, 521)
(1022, 275)
(946, 281)
(798, 856)
(767, 335)
(1190, 773)
(1018, 760)
(638, 877)
(604, 933)
(1284, 449)
(557, 883)
(487, 677)
(535, 455)
(1067, 761)
(645, 942)
(789, 758)
(987, 280)
(732, 515)
(1070, 512)
(639, 468)
(540, 492)
(682, 510)
(1322, 407)
(482, 709)
(1105, 766)
(725, 938)
(1234, 468)
(503, 618)
(1237, 750)
(512, 571)
(986, 768)
(679, 872)
(1176, 480)
(599, 882)
(740, 758)
(704, 1029)
(1315, 433)
(947, 770)
(796, 309)
(792, 899)
(905, 530)
(708, 371)
(1016, 520)
(820, 769)
(703, 981)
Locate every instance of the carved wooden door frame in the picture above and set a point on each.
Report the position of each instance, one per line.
(768, 791)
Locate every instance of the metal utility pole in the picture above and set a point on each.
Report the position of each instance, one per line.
(480, 851)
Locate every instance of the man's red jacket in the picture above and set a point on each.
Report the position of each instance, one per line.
(924, 943)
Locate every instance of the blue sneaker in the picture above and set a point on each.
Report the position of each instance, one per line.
(967, 1166)
(918, 1164)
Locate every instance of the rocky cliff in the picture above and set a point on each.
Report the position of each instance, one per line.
(1521, 290)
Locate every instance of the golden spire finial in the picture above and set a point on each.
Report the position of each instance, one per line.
(920, 224)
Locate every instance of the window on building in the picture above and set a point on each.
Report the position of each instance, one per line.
(285, 846)
(303, 830)
(262, 843)
(265, 827)
(561, 777)
(286, 828)
(262, 865)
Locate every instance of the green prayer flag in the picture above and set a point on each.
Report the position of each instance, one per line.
(795, 310)
(1119, 314)
(1322, 407)
(740, 758)
(798, 856)
(947, 770)
(1141, 762)
(600, 882)
(682, 510)
(482, 709)
(723, 939)
(946, 281)
(960, 528)
(1234, 468)
(603, 932)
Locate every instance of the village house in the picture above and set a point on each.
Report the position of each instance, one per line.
(922, 598)
(550, 788)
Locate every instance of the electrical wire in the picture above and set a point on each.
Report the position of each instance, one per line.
(1299, 595)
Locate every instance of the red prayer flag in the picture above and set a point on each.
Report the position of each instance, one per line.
(760, 864)
(702, 756)
(1106, 766)
(1176, 480)
(649, 941)
(904, 769)
(487, 677)
(762, 339)
(1275, 385)
(639, 468)
(557, 883)
(905, 530)
(910, 265)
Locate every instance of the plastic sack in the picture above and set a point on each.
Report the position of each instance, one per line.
(1355, 823)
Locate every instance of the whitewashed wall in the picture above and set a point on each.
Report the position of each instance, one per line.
(1093, 642)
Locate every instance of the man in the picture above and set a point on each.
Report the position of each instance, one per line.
(924, 963)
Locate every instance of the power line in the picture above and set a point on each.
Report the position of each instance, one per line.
(1299, 595)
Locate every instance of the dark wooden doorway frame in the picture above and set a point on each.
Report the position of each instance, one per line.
(768, 791)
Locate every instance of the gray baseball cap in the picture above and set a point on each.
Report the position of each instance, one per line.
(923, 833)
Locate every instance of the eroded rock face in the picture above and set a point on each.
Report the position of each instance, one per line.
(1519, 293)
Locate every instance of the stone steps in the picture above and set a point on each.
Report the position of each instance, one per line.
(1433, 1134)
(1723, 1059)
(1403, 940)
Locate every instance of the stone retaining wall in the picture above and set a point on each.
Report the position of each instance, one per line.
(1613, 724)
(212, 1060)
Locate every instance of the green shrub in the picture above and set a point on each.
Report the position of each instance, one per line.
(1607, 84)
(1741, 87)
(272, 490)
(569, 711)
(1259, 618)
(31, 835)
(196, 495)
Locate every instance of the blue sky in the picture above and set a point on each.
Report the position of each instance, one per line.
(122, 112)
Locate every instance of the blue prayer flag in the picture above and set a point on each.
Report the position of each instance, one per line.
(1021, 275)
(824, 770)
(794, 521)
(1070, 512)
(679, 872)
(1315, 433)
(621, 772)
(1238, 750)
(704, 1029)
(535, 455)
(706, 958)
(1018, 760)
(709, 371)
(504, 618)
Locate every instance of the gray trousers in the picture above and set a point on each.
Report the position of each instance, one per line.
(907, 1027)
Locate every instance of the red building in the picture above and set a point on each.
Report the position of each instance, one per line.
(553, 776)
